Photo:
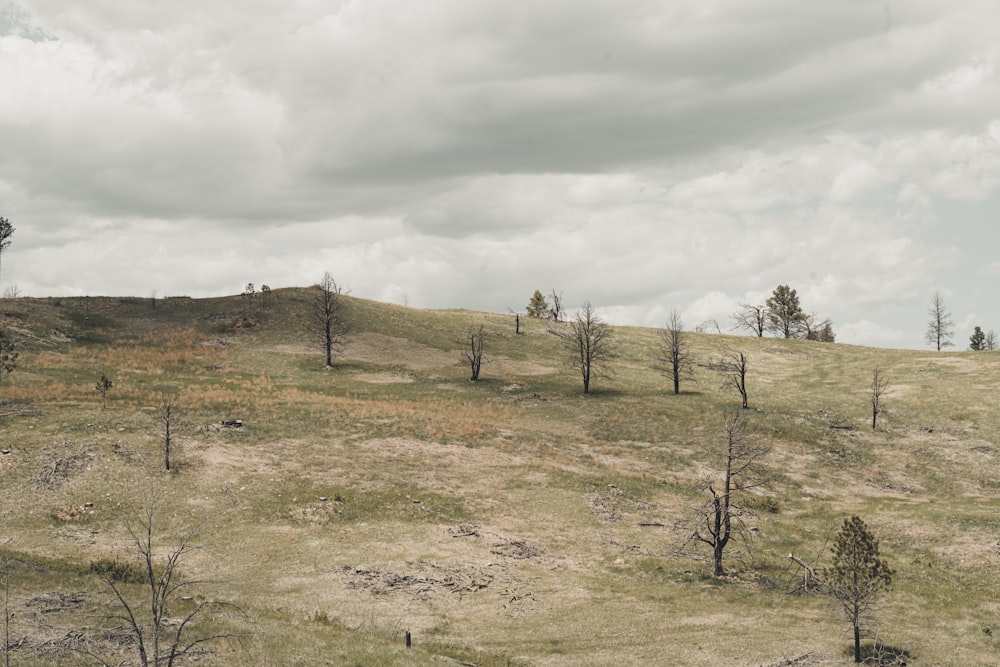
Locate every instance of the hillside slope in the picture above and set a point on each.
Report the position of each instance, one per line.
(509, 521)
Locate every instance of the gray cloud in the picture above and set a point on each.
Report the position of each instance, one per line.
(466, 153)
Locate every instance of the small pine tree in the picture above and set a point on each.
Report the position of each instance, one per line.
(859, 575)
(104, 386)
(977, 341)
(538, 306)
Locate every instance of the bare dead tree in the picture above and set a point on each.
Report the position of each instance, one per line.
(248, 299)
(591, 345)
(472, 350)
(157, 642)
(6, 621)
(940, 327)
(990, 342)
(879, 385)
(6, 231)
(674, 351)
(724, 514)
(167, 409)
(752, 317)
(556, 307)
(733, 367)
(328, 322)
(817, 329)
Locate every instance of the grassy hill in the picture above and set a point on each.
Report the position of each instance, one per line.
(513, 521)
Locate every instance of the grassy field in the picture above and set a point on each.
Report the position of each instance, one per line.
(512, 521)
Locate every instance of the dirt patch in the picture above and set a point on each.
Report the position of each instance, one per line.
(515, 549)
(425, 579)
(385, 378)
(614, 505)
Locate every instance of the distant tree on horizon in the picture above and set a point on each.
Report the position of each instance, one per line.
(328, 322)
(977, 341)
(6, 231)
(538, 307)
(751, 316)
(784, 314)
(940, 327)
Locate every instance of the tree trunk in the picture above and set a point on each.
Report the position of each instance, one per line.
(857, 643)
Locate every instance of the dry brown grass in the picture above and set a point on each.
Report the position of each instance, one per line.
(513, 518)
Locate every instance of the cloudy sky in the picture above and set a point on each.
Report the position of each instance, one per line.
(463, 153)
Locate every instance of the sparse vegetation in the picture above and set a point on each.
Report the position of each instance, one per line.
(510, 521)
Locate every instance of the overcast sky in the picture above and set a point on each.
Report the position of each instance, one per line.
(463, 153)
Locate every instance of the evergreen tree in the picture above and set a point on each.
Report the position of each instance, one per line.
(784, 314)
(977, 341)
(538, 306)
(859, 575)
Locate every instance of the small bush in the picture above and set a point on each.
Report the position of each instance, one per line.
(763, 504)
(127, 573)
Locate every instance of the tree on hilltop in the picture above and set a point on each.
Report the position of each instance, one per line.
(538, 307)
(784, 314)
(751, 316)
(328, 323)
(977, 341)
(6, 231)
(940, 327)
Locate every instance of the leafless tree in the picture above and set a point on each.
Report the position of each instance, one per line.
(879, 384)
(6, 621)
(556, 307)
(990, 342)
(248, 299)
(158, 642)
(6, 231)
(472, 350)
(329, 325)
(733, 367)
(752, 317)
(817, 329)
(724, 514)
(674, 351)
(591, 345)
(940, 327)
(167, 410)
